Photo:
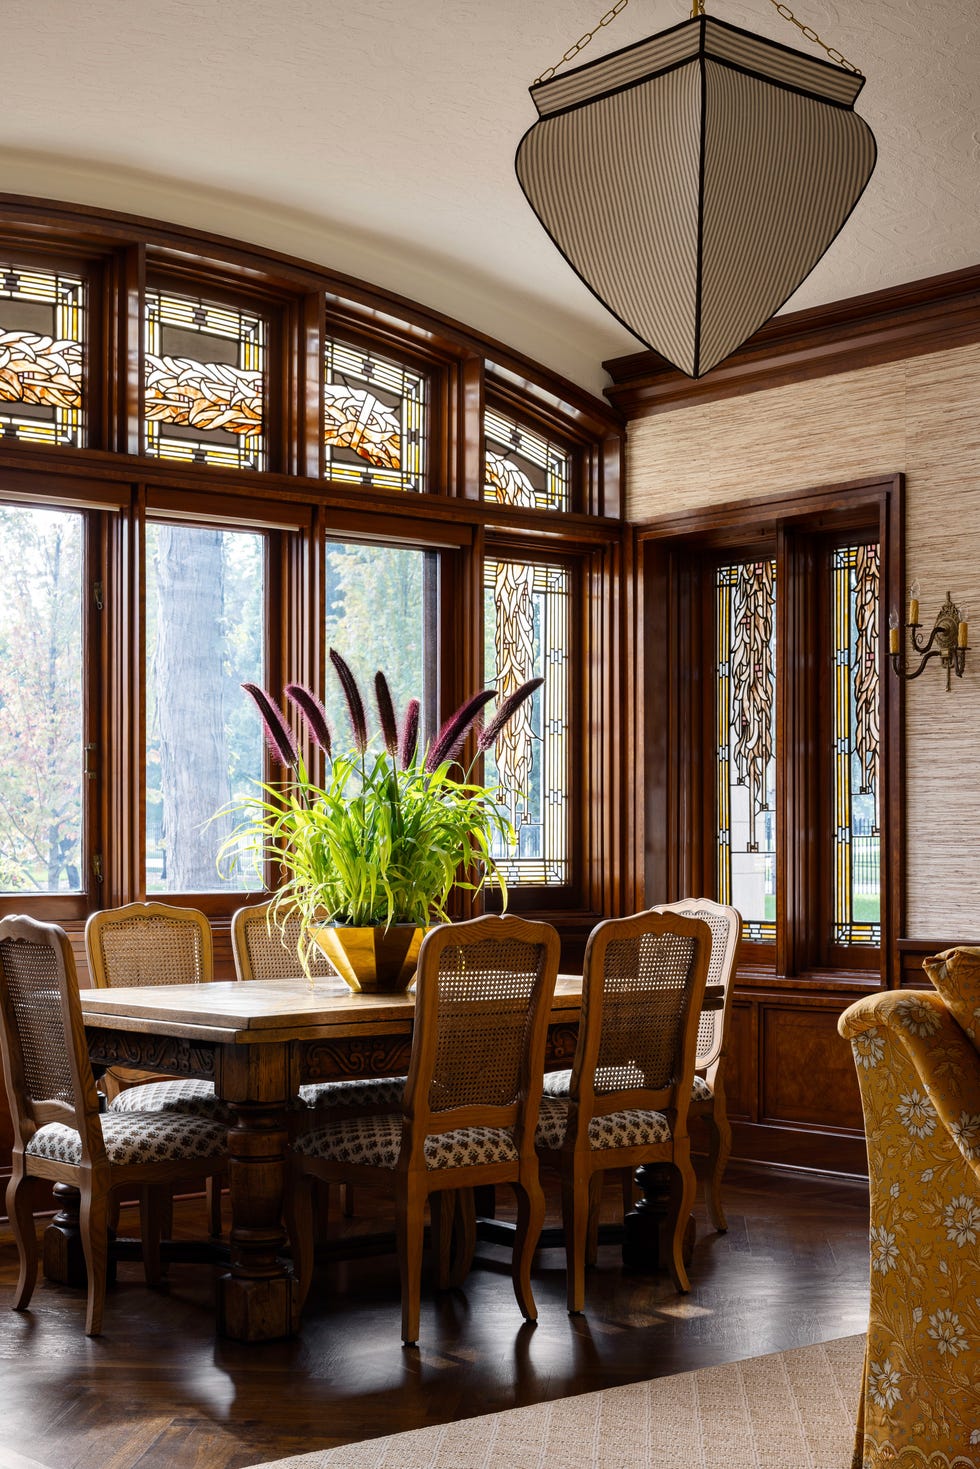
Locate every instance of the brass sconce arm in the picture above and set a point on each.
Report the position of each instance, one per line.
(947, 641)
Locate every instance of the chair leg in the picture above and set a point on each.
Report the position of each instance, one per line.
(93, 1219)
(347, 1200)
(156, 1201)
(410, 1226)
(683, 1191)
(298, 1210)
(442, 1209)
(719, 1149)
(575, 1191)
(465, 1236)
(20, 1211)
(530, 1219)
(213, 1193)
(595, 1207)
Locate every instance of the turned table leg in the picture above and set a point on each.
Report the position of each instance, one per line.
(258, 1298)
(646, 1228)
(62, 1255)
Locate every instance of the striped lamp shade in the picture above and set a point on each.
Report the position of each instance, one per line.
(695, 179)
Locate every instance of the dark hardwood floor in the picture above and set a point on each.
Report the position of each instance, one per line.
(158, 1391)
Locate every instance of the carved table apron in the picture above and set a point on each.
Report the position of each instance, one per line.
(258, 1042)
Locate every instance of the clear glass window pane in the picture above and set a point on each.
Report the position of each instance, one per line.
(374, 420)
(856, 835)
(381, 605)
(527, 636)
(42, 324)
(522, 468)
(41, 705)
(205, 594)
(745, 606)
(203, 382)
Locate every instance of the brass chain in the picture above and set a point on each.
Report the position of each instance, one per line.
(811, 35)
(582, 42)
(697, 8)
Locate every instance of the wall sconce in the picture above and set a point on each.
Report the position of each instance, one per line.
(947, 641)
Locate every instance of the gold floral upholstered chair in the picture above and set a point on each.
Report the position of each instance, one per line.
(918, 1061)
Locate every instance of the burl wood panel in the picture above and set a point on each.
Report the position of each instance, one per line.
(807, 1073)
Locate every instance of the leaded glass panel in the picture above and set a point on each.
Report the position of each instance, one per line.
(42, 322)
(522, 468)
(527, 636)
(374, 420)
(856, 832)
(746, 725)
(204, 383)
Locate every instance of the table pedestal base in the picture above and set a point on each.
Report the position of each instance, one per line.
(258, 1310)
(646, 1237)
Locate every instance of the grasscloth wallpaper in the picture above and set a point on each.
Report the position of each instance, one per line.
(920, 417)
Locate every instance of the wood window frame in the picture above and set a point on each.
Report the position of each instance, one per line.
(674, 712)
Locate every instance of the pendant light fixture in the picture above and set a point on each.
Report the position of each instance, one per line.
(694, 179)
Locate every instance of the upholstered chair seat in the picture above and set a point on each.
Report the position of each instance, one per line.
(194, 1098)
(632, 1127)
(556, 1084)
(359, 1095)
(135, 1137)
(376, 1142)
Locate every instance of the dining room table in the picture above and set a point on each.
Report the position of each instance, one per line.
(258, 1042)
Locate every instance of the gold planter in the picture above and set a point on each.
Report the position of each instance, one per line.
(373, 961)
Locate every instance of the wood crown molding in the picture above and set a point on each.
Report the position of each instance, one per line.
(910, 320)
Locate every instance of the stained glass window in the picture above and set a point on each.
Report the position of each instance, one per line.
(856, 837)
(527, 636)
(42, 320)
(522, 468)
(204, 371)
(374, 420)
(746, 727)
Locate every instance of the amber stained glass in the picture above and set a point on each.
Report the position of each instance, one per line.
(746, 725)
(204, 383)
(522, 468)
(42, 325)
(856, 830)
(527, 633)
(374, 420)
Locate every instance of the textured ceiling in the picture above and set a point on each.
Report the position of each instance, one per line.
(378, 138)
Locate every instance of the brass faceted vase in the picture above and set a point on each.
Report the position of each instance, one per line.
(373, 961)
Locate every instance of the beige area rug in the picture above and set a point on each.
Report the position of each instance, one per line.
(792, 1410)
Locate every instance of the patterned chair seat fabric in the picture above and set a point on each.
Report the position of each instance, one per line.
(627, 1129)
(191, 1098)
(377, 1141)
(557, 1083)
(135, 1137)
(360, 1093)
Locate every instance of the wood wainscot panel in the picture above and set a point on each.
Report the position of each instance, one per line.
(807, 1069)
(740, 1061)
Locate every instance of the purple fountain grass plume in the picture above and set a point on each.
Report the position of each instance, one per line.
(355, 704)
(450, 739)
(507, 708)
(410, 734)
(386, 713)
(313, 712)
(279, 736)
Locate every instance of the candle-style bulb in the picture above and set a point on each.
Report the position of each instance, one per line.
(893, 618)
(963, 631)
(893, 643)
(914, 604)
(914, 589)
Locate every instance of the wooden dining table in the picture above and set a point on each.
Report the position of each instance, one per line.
(258, 1042)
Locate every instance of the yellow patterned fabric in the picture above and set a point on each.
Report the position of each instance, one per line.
(920, 1086)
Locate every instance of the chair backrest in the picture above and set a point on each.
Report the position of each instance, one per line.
(149, 943)
(726, 931)
(642, 989)
(45, 1058)
(268, 947)
(483, 996)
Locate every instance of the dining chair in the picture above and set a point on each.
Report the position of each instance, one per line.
(483, 990)
(631, 1079)
(59, 1135)
(151, 944)
(708, 1100)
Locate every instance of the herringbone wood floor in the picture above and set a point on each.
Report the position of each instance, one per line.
(158, 1391)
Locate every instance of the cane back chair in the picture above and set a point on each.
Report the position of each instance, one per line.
(708, 1097)
(630, 1088)
(59, 1134)
(483, 995)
